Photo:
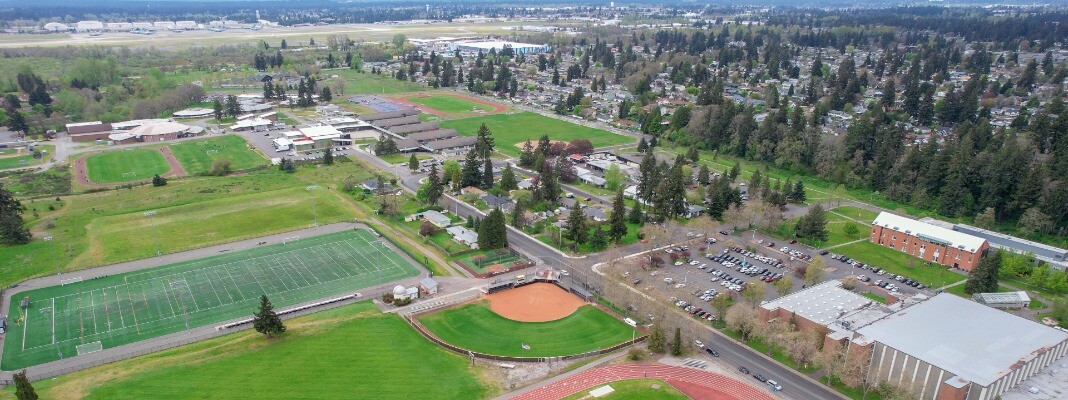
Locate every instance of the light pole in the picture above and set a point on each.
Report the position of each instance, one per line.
(52, 249)
(155, 237)
(315, 214)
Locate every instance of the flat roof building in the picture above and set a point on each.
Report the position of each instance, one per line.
(1018, 299)
(929, 242)
(948, 347)
(498, 45)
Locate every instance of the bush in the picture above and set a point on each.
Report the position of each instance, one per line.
(220, 167)
(636, 354)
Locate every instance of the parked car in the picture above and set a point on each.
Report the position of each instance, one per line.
(698, 343)
(712, 351)
(760, 377)
(774, 385)
(743, 370)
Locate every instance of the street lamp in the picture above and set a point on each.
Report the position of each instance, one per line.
(315, 214)
(155, 236)
(52, 248)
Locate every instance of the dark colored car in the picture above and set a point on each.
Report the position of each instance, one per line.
(760, 377)
(743, 370)
(714, 353)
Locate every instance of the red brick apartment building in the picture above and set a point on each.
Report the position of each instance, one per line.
(929, 242)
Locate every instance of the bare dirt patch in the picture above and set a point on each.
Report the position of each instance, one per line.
(537, 302)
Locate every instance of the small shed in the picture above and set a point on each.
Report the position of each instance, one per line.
(428, 286)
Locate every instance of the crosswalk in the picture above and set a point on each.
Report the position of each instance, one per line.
(690, 362)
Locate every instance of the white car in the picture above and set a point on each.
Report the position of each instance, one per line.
(699, 343)
(694, 262)
(774, 385)
(678, 263)
(680, 285)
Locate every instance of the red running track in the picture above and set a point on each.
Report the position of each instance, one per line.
(697, 384)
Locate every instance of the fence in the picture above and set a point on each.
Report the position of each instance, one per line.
(94, 359)
(483, 275)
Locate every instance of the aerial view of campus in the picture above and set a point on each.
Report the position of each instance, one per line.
(617, 200)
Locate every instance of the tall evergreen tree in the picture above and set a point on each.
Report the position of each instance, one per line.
(23, 388)
(266, 321)
(984, 278)
(617, 222)
(13, 229)
(508, 181)
(471, 175)
(487, 173)
(676, 344)
(577, 230)
(328, 155)
(434, 187)
(492, 233)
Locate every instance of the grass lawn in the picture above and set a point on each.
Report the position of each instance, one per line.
(368, 83)
(857, 213)
(836, 232)
(197, 156)
(635, 389)
(348, 352)
(511, 130)
(875, 297)
(896, 262)
(161, 300)
(126, 165)
(9, 159)
(959, 290)
(475, 327)
(286, 119)
(399, 158)
(758, 344)
(449, 104)
(182, 227)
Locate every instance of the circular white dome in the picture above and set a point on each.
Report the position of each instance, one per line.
(399, 290)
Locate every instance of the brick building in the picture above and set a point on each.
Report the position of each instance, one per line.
(929, 242)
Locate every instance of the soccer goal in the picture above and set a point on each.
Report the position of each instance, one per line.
(129, 174)
(290, 239)
(89, 348)
(202, 143)
(67, 281)
(212, 152)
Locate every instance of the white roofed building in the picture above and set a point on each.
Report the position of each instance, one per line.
(929, 242)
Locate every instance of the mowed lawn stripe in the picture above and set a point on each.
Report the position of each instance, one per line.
(511, 130)
(197, 155)
(449, 104)
(477, 328)
(350, 352)
(116, 166)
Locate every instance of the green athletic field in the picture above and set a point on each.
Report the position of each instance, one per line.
(125, 165)
(197, 156)
(512, 129)
(125, 308)
(350, 352)
(10, 159)
(475, 327)
(635, 389)
(449, 104)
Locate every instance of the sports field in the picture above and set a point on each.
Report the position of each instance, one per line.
(350, 352)
(475, 327)
(126, 165)
(18, 158)
(635, 389)
(510, 130)
(125, 308)
(449, 104)
(197, 156)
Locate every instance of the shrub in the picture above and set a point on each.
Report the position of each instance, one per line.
(636, 354)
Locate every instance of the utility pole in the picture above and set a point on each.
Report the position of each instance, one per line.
(155, 236)
(315, 214)
(52, 248)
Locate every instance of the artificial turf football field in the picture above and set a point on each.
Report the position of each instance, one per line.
(477, 328)
(126, 308)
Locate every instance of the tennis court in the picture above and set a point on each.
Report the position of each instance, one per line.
(84, 316)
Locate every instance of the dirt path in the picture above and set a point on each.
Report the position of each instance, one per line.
(81, 172)
(496, 108)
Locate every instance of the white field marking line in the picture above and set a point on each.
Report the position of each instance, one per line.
(239, 292)
(167, 295)
(212, 284)
(25, 323)
(273, 275)
(385, 255)
(104, 300)
(92, 309)
(189, 290)
(296, 269)
(132, 308)
(325, 266)
(372, 264)
(118, 305)
(218, 276)
(253, 275)
(53, 320)
(274, 263)
(334, 260)
(369, 261)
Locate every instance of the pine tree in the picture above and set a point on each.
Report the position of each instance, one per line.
(325, 95)
(17, 123)
(492, 233)
(508, 181)
(328, 156)
(233, 109)
(599, 239)
(265, 320)
(636, 215)
(642, 145)
(984, 278)
(577, 230)
(434, 187)
(617, 222)
(23, 389)
(813, 224)
(526, 158)
(13, 229)
(413, 163)
(159, 180)
(487, 173)
(470, 175)
(657, 340)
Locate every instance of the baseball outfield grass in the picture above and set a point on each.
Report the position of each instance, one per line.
(510, 131)
(85, 316)
(449, 104)
(635, 389)
(197, 156)
(125, 165)
(477, 328)
(352, 352)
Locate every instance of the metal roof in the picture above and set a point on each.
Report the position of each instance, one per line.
(965, 338)
(929, 232)
(822, 304)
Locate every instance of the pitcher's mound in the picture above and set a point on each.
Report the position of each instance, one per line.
(536, 302)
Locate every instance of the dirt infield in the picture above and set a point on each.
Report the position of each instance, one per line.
(537, 302)
(81, 174)
(496, 107)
